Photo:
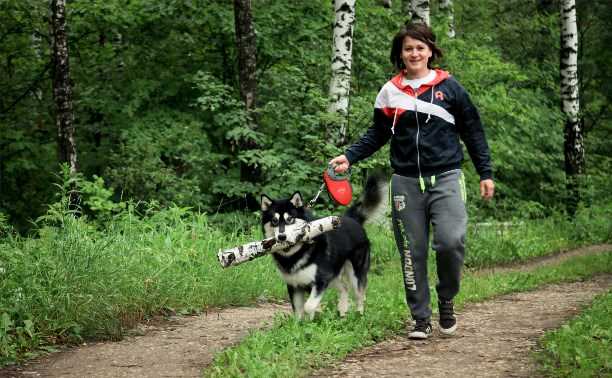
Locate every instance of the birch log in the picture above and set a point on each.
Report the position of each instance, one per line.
(573, 132)
(302, 233)
(340, 84)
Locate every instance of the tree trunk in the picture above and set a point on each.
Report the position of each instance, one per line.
(340, 84)
(247, 63)
(570, 104)
(407, 8)
(62, 87)
(419, 11)
(448, 12)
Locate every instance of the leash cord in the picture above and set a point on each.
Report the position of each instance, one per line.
(316, 197)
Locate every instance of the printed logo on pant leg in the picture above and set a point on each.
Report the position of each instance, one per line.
(399, 202)
(409, 281)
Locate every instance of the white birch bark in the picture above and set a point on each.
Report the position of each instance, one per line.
(570, 101)
(419, 10)
(340, 84)
(300, 233)
(447, 10)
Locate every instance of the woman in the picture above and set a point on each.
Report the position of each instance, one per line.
(426, 112)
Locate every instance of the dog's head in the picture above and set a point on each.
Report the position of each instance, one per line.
(282, 219)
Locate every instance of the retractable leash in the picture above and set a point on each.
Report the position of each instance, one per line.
(338, 187)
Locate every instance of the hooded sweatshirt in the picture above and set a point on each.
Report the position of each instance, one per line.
(425, 128)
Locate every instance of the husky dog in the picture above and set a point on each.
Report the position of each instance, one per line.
(331, 259)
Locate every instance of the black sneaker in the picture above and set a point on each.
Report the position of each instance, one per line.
(421, 330)
(448, 322)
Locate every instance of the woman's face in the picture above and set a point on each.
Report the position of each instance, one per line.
(415, 54)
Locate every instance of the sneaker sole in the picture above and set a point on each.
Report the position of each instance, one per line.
(418, 335)
(448, 331)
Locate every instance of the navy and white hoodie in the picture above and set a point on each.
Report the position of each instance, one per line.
(425, 128)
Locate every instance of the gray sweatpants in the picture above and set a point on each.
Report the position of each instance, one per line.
(440, 201)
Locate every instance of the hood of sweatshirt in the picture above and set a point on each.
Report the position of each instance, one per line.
(441, 75)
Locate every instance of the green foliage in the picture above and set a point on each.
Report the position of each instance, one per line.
(582, 347)
(159, 118)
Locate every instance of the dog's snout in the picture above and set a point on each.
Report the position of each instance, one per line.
(282, 237)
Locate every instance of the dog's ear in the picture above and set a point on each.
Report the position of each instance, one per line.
(296, 200)
(266, 202)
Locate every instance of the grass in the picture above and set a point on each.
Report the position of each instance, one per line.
(76, 280)
(582, 347)
(292, 348)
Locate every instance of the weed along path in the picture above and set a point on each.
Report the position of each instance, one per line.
(178, 348)
(494, 339)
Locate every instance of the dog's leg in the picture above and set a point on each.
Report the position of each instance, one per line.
(343, 297)
(359, 290)
(314, 300)
(296, 296)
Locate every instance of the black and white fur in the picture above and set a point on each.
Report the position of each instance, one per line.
(339, 258)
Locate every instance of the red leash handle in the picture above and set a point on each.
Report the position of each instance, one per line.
(338, 186)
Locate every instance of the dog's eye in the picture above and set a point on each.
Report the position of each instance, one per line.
(274, 222)
(290, 220)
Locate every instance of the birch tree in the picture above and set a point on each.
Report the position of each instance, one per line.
(417, 11)
(570, 103)
(448, 12)
(62, 88)
(246, 45)
(340, 83)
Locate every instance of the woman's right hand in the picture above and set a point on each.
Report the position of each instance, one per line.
(340, 164)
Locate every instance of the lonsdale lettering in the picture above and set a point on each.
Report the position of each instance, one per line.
(409, 279)
(409, 271)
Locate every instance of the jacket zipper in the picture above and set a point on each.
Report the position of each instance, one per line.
(416, 114)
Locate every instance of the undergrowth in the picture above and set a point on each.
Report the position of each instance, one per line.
(78, 279)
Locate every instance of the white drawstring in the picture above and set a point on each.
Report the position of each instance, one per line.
(393, 126)
(431, 102)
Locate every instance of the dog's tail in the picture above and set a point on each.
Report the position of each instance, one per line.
(372, 199)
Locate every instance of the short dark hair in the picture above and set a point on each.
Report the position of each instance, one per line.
(418, 31)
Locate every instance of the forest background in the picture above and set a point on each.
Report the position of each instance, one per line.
(159, 119)
(160, 131)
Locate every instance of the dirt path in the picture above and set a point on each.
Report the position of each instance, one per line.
(557, 258)
(495, 338)
(179, 348)
(184, 346)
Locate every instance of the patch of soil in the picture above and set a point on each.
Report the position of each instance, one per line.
(178, 348)
(494, 338)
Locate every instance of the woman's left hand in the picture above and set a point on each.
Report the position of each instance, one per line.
(487, 189)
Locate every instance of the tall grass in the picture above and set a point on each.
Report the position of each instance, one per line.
(76, 279)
